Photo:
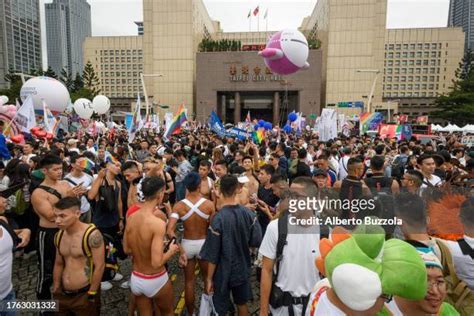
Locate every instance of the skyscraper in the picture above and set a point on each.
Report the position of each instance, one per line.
(68, 23)
(461, 13)
(20, 37)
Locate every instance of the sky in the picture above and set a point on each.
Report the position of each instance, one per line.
(116, 17)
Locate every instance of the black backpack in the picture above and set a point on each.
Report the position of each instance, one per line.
(11, 232)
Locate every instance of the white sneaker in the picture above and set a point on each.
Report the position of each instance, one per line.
(125, 285)
(117, 277)
(105, 286)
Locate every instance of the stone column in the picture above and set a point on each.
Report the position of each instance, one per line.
(276, 108)
(237, 108)
(223, 108)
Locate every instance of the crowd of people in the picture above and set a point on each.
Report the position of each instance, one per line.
(223, 206)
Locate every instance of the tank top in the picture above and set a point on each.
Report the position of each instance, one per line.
(6, 261)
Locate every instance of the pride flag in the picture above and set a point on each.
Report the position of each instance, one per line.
(177, 122)
(370, 121)
(86, 164)
(259, 136)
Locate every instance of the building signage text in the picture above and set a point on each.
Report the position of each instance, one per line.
(259, 75)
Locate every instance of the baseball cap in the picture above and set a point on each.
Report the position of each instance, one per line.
(319, 172)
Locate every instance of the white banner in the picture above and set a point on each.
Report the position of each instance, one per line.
(25, 116)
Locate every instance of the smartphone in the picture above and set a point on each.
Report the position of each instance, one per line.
(168, 244)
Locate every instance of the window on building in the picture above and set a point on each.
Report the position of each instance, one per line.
(412, 55)
(405, 46)
(390, 55)
(419, 46)
(419, 62)
(424, 78)
(434, 45)
(423, 86)
(397, 63)
(416, 86)
(425, 70)
(389, 78)
(432, 78)
(411, 62)
(419, 54)
(403, 79)
(416, 94)
(412, 46)
(397, 55)
(433, 54)
(389, 87)
(404, 63)
(395, 87)
(427, 46)
(410, 70)
(401, 94)
(403, 70)
(425, 62)
(402, 87)
(405, 54)
(398, 46)
(409, 87)
(410, 79)
(431, 86)
(426, 54)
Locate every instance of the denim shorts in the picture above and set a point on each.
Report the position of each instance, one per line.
(10, 297)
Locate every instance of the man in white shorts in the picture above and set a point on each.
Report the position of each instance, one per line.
(196, 213)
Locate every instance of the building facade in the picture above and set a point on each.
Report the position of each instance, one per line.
(174, 30)
(461, 14)
(20, 37)
(352, 37)
(68, 23)
(420, 64)
(235, 83)
(118, 62)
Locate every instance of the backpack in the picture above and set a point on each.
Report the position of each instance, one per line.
(20, 205)
(111, 265)
(459, 294)
(11, 232)
(398, 167)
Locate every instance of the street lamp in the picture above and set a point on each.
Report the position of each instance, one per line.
(372, 91)
(142, 78)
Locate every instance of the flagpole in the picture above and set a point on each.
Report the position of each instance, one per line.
(258, 19)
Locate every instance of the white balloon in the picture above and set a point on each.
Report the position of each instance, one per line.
(101, 104)
(52, 91)
(3, 99)
(83, 108)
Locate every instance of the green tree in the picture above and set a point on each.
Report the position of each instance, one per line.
(78, 83)
(82, 93)
(457, 106)
(50, 73)
(91, 81)
(15, 84)
(66, 78)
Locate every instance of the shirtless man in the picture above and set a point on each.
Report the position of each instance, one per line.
(51, 190)
(206, 183)
(220, 171)
(144, 240)
(195, 212)
(131, 173)
(253, 184)
(75, 286)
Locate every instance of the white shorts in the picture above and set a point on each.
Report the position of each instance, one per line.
(148, 285)
(192, 248)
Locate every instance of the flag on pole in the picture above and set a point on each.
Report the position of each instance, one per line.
(25, 116)
(17, 104)
(177, 122)
(134, 126)
(48, 119)
(255, 12)
(250, 14)
(266, 14)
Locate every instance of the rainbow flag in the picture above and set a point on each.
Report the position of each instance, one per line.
(259, 136)
(370, 121)
(110, 159)
(86, 164)
(177, 122)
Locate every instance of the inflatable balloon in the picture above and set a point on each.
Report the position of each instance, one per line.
(101, 104)
(41, 134)
(18, 139)
(6, 116)
(35, 130)
(52, 91)
(256, 127)
(292, 117)
(268, 126)
(3, 99)
(286, 52)
(287, 129)
(83, 108)
(261, 123)
(11, 109)
(49, 136)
